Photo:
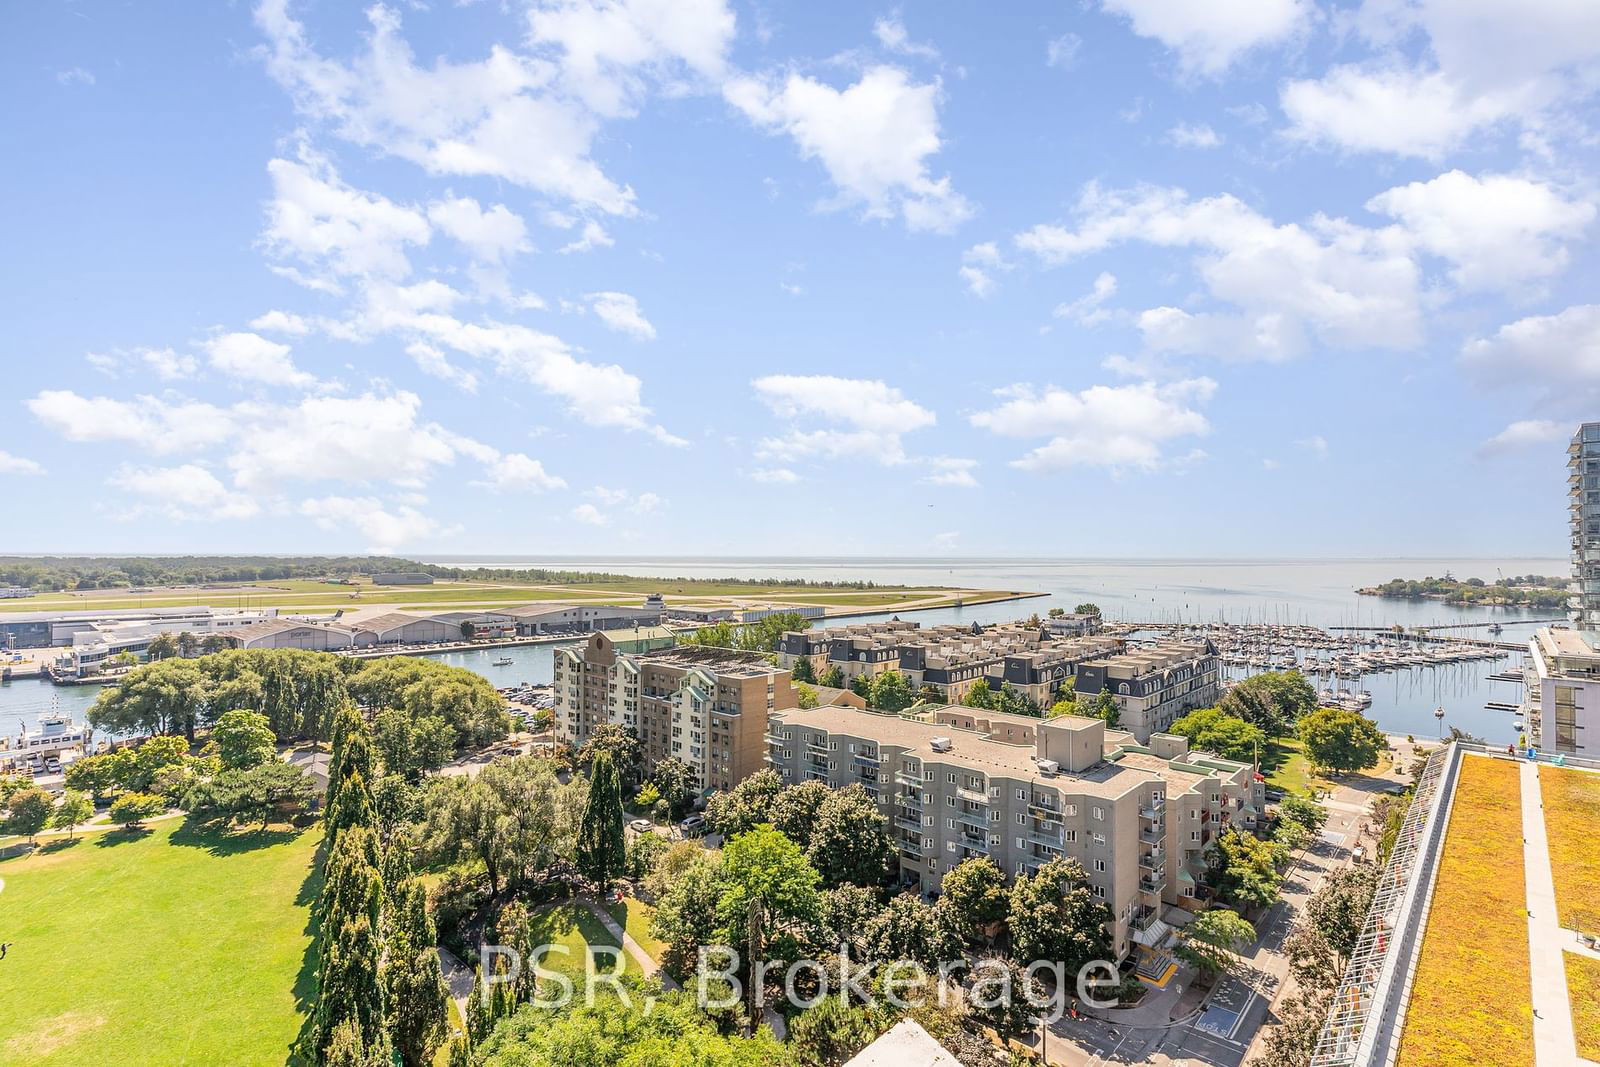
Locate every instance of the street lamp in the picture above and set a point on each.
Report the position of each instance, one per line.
(1438, 713)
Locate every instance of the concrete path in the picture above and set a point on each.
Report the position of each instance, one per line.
(636, 950)
(1553, 1043)
(458, 978)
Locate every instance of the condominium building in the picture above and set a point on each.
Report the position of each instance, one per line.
(949, 659)
(705, 706)
(1561, 698)
(1583, 493)
(1136, 817)
(1154, 684)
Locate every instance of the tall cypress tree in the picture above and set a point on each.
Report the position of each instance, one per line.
(349, 991)
(352, 750)
(602, 848)
(414, 981)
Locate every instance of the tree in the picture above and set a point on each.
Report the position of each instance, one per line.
(794, 810)
(1272, 701)
(687, 887)
(1243, 869)
(974, 895)
(243, 739)
(978, 695)
(909, 929)
(861, 686)
(27, 812)
(805, 695)
(999, 997)
(352, 757)
(413, 979)
(1341, 741)
(1087, 609)
(1054, 916)
(616, 740)
(602, 848)
(768, 897)
(832, 1031)
(1063, 707)
(803, 671)
(1307, 813)
(891, 692)
(850, 839)
(516, 818)
(1339, 909)
(740, 809)
(95, 775)
(1211, 942)
(75, 809)
(212, 643)
(1105, 707)
(254, 795)
(162, 646)
(832, 678)
(349, 990)
(675, 779)
(1300, 1019)
(1211, 730)
(131, 809)
(188, 644)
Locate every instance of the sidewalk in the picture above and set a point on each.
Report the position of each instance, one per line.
(1553, 1041)
(651, 967)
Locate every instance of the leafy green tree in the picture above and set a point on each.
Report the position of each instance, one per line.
(1087, 609)
(909, 929)
(768, 898)
(805, 696)
(850, 839)
(352, 757)
(1211, 730)
(162, 646)
(686, 917)
(1054, 916)
(255, 794)
(1008, 700)
(999, 998)
(1105, 707)
(413, 979)
(794, 810)
(615, 739)
(974, 895)
(188, 645)
(212, 643)
(1300, 1019)
(861, 686)
(1341, 741)
(27, 812)
(645, 852)
(244, 739)
(1308, 813)
(847, 911)
(803, 671)
(675, 779)
(1273, 701)
(1339, 908)
(516, 817)
(891, 692)
(1213, 940)
(602, 849)
(131, 809)
(1243, 869)
(1063, 707)
(832, 678)
(94, 775)
(740, 809)
(74, 810)
(978, 695)
(832, 1031)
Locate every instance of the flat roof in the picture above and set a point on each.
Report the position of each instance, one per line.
(716, 660)
(1566, 642)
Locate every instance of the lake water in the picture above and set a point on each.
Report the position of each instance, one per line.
(1315, 592)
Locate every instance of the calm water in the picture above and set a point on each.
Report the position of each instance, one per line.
(1317, 592)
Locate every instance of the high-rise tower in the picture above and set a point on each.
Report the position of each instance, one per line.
(1583, 491)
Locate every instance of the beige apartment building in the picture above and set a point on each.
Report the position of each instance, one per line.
(1155, 684)
(705, 706)
(1136, 816)
(950, 659)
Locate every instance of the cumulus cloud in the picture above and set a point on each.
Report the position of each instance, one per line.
(1396, 110)
(158, 425)
(184, 492)
(1121, 427)
(979, 264)
(10, 464)
(589, 515)
(1062, 52)
(1560, 353)
(385, 527)
(491, 235)
(774, 475)
(892, 34)
(951, 471)
(869, 417)
(286, 322)
(335, 230)
(620, 312)
(874, 138)
(1209, 37)
(1089, 308)
(516, 472)
(164, 363)
(251, 357)
(1198, 135)
(1526, 433)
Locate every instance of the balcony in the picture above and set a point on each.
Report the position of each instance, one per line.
(1043, 811)
(1151, 885)
(908, 824)
(862, 757)
(972, 796)
(1151, 836)
(815, 746)
(1150, 814)
(1047, 838)
(1143, 919)
(907, 778)
(909, 800)
(1154, 860)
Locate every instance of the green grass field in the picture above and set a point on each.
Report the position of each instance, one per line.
(572, 926)
(171, 946)
(634, 916)
(1287, 768)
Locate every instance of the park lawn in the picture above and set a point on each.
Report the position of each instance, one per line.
(1471, 1000)
(1583, 990)
(167, 946)
(634, 916)
(572, 925)
(1571, 799)
(1286, 767)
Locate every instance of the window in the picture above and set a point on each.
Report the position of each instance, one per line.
(1097, 837)
(927, 820)
(1100, 865)
(1072, 835)
(949, 802)
(927, 842)
(949, 846)
(1021, 794)
(788, 753)
(1194, 835)
(1099, 812)
(950, 824)
(1566, 716)
(1072, 809)
(1021, 818)
(1100, 891)
(952, 777)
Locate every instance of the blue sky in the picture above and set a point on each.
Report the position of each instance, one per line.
(704, 276)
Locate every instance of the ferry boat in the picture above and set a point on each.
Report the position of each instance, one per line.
(56, 741)
(503, 661)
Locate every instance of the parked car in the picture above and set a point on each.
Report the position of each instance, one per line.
(642, 826)
(694, 824)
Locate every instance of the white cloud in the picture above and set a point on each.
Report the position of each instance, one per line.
(515, 471)
(1497, 230)
(774, 475)
(1349, 286)
(1384, 109)
(164, 363)
(1117, 427)
(872, 414)
(1559, 352)
(951, 471)
(1199, 135)
(978, 267)
(620, 312)
(75, 76)
(336, 230)
(1062, 51)
(1209, 37)
(161, 426)
(1316, 444)
(10, 464)
(431, 361)
(286, 322)
(186, 492)
(874, 139)
(491, 235)
(1526, 433)
(365, 439)
(1088, 309)
(947, 539)
(251, 357)
(891, 33)
(384, 527)
(593, 236)
(590, 515)
(1270, 464)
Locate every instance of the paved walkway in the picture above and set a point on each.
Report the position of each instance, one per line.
(458, 978)
(1553, 1042)
(636, 950)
